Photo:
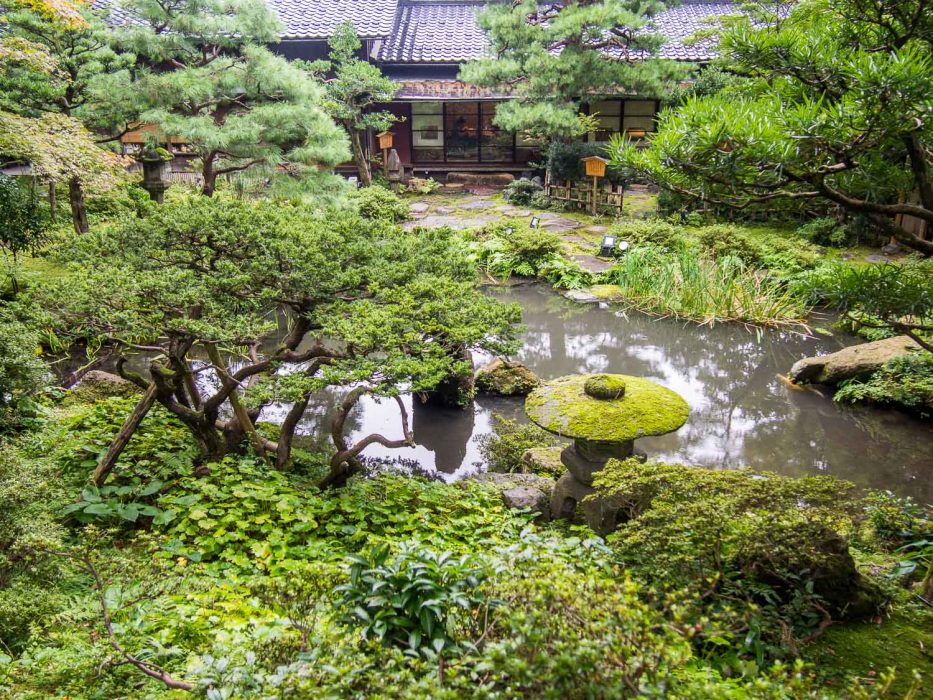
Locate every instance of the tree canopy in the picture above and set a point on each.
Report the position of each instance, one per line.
(352, 92)
(554, 56)
(205, 77)
(837, 108)
(224, 294)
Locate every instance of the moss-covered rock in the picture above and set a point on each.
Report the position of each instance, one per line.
(562, 406)
(97, 385)
(545, 461)
(605, 386)
(506, 378)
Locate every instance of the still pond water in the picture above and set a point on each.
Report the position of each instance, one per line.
(742, 413)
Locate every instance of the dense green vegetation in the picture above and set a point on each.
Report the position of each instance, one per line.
(168, 526)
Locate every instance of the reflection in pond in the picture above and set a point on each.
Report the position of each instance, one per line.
(742, 413)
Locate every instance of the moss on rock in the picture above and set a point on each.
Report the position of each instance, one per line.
(605, 386)
(506, 378)
(563, 407)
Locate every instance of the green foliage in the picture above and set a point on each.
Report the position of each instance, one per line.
(835, 109)
(521, 191)
(23, 224)
(683, 284)
(353, 87)
(237, 105)
(892, 297)
(563, 160)
(419, 185)
(380, 204)
(708, 81)
(902, 381)
(502, 449)
(516, 249)
(109, 503)
(761, 551)
(825, 231)
(22, 372)
(414, 598)
(764, 247)
(554, 56)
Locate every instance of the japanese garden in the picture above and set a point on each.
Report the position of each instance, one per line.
(466, 349)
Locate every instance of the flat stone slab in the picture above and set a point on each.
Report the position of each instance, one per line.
(560, 224)
(481, 204)
(573, 238)
(418, 207)
(458, 223)
(445, 210)
(876, 258)
(597, 229)
(581, 296)
(591, 263)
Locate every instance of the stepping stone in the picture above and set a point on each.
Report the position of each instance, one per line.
(478, 204)
(597, 229)
(419, 207)
(573, 238)
(455, 222)
(591, 263)
(581, 296)
(445, 210)
(453, 187)
(520, 213)
(876, 258)
(560, 224)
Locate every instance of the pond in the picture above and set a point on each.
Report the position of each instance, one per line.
(742, 412)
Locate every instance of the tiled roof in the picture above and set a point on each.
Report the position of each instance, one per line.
(447, 32)
(310, 19)
(678, 23)
(435, 32)
(305, 19)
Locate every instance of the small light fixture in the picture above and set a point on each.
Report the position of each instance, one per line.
(636, 133)
(535, 222)
(509, 230)
(385, 140)
(622, 247)
(606, 249)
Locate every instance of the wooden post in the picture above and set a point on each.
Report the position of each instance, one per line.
(595, 194)
(109, 460)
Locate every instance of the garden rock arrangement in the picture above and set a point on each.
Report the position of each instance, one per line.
(522, 491)
(853, 361)
(504, 378)
(604, 414)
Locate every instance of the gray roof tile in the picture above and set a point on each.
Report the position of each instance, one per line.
(447, 32)
(305, 19)
(435, 33)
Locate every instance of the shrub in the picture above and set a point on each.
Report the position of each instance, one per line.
(521, 191)
(824, 231)
(564, 161)
(653, 231)
(764, 553)
(378, 203)
(22, 373)
(422, 186)
(414, 599)
(902, 381)
(503, 448)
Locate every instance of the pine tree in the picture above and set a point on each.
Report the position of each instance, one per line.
(205, 78)
(555, 56)
(356, 86)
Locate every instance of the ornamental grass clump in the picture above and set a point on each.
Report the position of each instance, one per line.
(683, 284)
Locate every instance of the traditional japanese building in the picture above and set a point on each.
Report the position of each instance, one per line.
(447, 124)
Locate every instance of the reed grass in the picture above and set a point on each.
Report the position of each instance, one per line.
(686, 285)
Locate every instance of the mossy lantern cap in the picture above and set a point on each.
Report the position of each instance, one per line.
(606, 407)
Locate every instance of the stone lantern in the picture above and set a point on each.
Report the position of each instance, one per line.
(604, 414)
(153, 175)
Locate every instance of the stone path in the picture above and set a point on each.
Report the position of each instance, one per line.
(591, 263)
(455, 222)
